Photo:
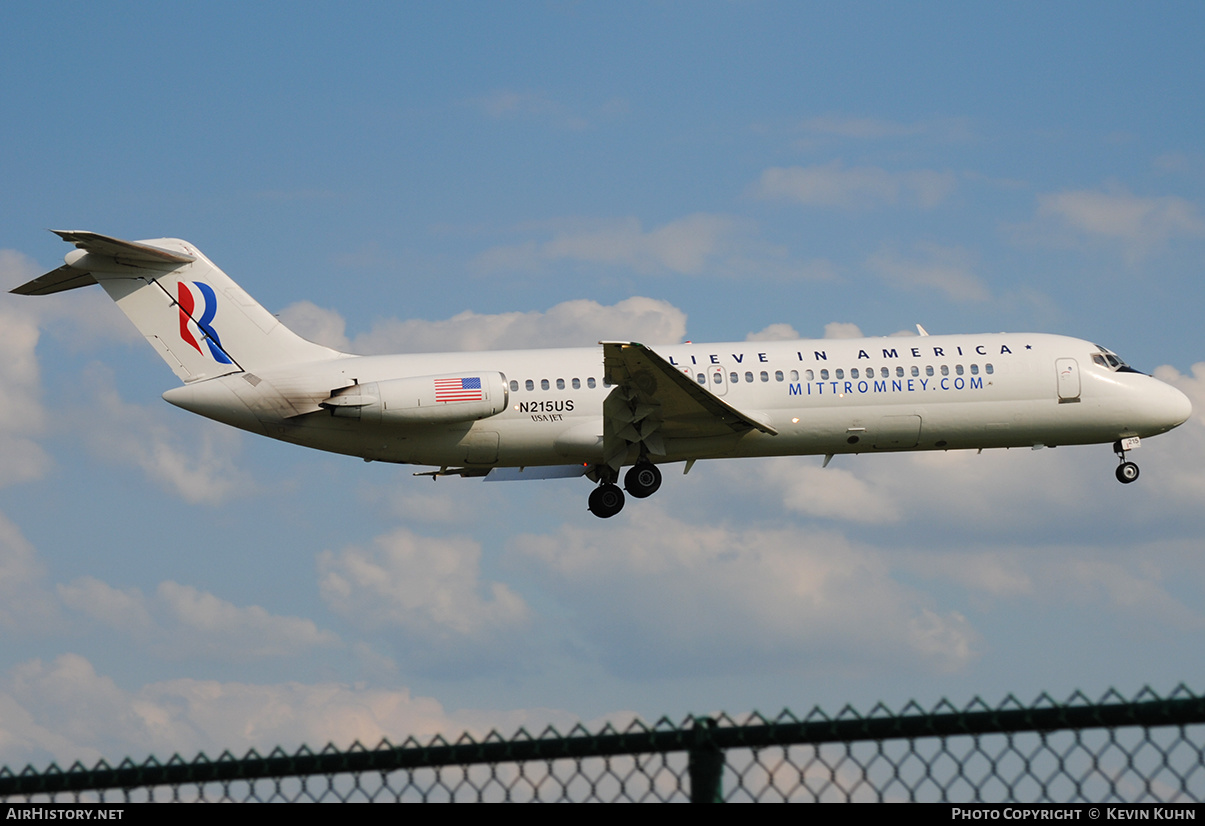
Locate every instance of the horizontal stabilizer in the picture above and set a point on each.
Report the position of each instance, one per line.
(199, 321)
(130, 253)
(56, 281)
(100, 250)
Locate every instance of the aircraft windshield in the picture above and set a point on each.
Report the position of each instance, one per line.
(1111, 361)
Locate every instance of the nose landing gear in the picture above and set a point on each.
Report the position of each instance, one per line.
(1127, 471)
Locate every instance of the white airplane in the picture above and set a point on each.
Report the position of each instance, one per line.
(540, 414)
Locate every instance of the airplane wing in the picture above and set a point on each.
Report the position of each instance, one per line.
(653, 400)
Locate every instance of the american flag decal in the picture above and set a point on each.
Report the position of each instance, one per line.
(459, 390)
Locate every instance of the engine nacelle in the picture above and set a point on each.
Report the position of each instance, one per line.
(452, 397)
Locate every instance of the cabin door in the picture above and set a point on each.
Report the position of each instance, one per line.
(1068, 372)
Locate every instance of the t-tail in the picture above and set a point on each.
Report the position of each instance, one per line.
(192, 313)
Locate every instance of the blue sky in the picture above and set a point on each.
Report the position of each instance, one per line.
(394, 178)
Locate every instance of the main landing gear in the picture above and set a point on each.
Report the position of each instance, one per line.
(642, 480)
(606, 500)
(1127, 471)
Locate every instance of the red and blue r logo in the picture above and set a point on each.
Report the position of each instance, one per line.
(198, 306)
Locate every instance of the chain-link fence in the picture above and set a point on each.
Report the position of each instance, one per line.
(1147, 749)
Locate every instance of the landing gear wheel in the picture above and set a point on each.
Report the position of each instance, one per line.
(1127, 472)
(642, 480)
(606, 500)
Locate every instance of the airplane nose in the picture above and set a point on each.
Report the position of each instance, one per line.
(1173, 407)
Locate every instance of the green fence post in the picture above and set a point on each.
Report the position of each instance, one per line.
(705, 764)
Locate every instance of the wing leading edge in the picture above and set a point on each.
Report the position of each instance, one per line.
(653, 400)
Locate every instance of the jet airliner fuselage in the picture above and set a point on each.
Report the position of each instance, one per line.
(529, 414)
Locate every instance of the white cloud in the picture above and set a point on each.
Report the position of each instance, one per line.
(1133, 582)
(580, 323)
(197, 462)
(15, 269)
(317, 324)
(838, 329)
(25, 605)
(1113, 214)
(1180, 455)
(718, 597)
(774, 332)
(505, 104)
(847, 127)
(831, 492)
(64, 711)
(81, 317)
(860, 187)
(685, 246)
(430, 589)
(21, 412)
(125, 611)
(702, 244)
(180, 621)
(949, 270)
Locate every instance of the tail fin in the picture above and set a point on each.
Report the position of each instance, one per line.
(192, 313)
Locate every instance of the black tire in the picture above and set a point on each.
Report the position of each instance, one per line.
(642, 480)
(1127, 472)
(606, 501)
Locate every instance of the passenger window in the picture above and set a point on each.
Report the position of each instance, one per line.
(717, 377)
(823, 375)
(958, 369)
(809, 375)
(794, 375)
(734, 378)
(749, 377)
(529, 384)
(766, 376)
(590, 382)
(701, 379)
(778, 375)
(577, 384)
(606, 381)
(853, 374)
(514, 386)
(945, 369)
(884, 372)
(543, 384)
(929, 370)
(840, 373)
(899, 372)
(974, 369)
(560, 384)
(987, 368)
(915, 371)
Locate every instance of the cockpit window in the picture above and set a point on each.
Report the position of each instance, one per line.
(1111, 361)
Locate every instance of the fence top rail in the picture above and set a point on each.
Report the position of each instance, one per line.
(1148, 710)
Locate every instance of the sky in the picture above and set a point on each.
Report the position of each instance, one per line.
(470, 176)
